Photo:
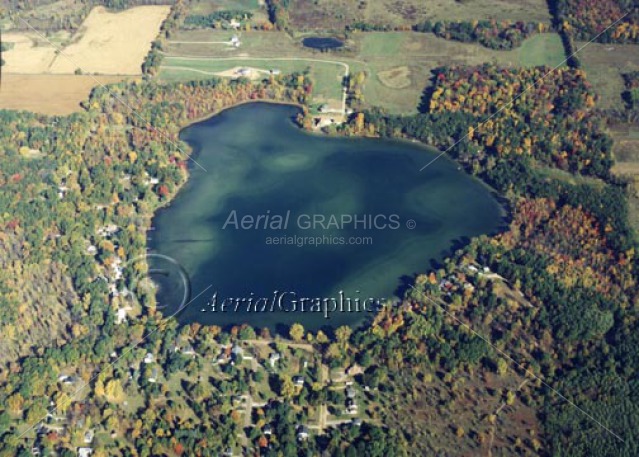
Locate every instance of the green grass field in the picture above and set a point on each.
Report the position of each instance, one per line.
(415, 55)
(326, 76)
(544, 49)
(423, 52)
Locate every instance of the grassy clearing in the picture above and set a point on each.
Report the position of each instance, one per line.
(205, 42)
(544, 49)
(626, 150)
(386, 53)
(604, 65)
(207, 7)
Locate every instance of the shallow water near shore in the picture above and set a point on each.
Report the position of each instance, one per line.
(308, 216)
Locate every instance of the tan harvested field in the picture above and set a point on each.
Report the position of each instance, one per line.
(112, 43)
(335, 14)
(604, 65)
(27, 55)
(106, 43)
(49, 94)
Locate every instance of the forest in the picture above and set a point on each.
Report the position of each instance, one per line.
(605, 21)
(569, 250)
(78, 193)
(492, 34)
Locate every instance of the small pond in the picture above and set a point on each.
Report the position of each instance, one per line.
(322, 43)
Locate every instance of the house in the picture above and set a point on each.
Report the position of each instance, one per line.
(234, 24)
(188, 350)
(267, 430)
(149, 358)
(222, 358)
(67, 380)
(350, 392)
(298, 381)
(351, 406)
(275, 71)
(121, 315)
(88, 437)
(357, 422)
(35, 450)
(237, 353)
(302, 433)
(274, 358)
(235, 40)
(154, 375)
(85, 451)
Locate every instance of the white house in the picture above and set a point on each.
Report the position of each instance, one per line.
(85, 451)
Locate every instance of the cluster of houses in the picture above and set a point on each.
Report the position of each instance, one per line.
(455, 282)
(54, 423)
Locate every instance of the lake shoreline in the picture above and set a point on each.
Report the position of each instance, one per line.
(382, 269)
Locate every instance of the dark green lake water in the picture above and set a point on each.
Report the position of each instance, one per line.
(259, 163)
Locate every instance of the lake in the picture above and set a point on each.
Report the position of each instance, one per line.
(308, 216)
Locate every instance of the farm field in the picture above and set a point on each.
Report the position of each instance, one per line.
(49, 94)
(398, 64)
(27, 54)
(112, 43)
(336, 14)
(107, 43)
(604, 65)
